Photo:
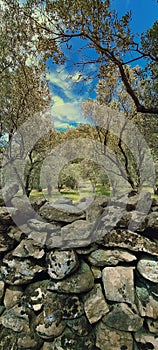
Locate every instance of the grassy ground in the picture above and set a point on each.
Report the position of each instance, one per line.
(35, 193)
(75, 195)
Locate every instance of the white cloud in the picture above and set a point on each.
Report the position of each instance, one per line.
(57, 101)
(65, 81)
(66, 113)
(77, 77)
(62, 80)
(66, 105)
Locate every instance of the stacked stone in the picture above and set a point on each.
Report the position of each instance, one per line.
(60, 289)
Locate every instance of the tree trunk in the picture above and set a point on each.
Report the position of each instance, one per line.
(49, 190)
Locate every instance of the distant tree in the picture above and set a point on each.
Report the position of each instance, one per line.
(118, 148)
(91, 171)
(69, 176)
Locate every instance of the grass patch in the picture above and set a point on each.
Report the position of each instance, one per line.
(100, 189)
(75, 195)
(35, 194)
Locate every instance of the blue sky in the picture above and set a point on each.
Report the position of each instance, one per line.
(67, 88)
(144, 12)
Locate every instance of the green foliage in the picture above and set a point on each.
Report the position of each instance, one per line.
(23, 86)
(56, 24)
(69, 177)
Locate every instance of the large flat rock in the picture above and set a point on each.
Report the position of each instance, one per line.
(131, 241)
(81, 281)
(109, 339)
(119, 283)
(61, 213)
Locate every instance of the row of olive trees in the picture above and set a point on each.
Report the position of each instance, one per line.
(24, 90)
(33, 31)
(100, 33)
(80, 171)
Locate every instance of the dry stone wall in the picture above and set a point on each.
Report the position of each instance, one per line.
(62, 289)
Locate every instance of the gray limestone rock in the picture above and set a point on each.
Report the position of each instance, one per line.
(54, 240)
(122, 318)
(132, 202)
(13, 295)
(108, 257)
(37, 225)
(61, 263)
(155, 202)
(71, 341)
(119, 283)
(136, 220)
(38, 297)
(71, 307)
(146, 340)
(87, 250)
(131, 241)
(29, 248)
(49, 324)
(56, 308)
(60, 213)
(24, 210)
(148, 268)
(6, 217)
(6, 243)
(37, 202)
(94, 205)
(110, 339)
(38, 237)
(96, 208)
(96, 272)
(1, 289)
(142, 199)
(106, 222)
(146, 300)
(95, 305)
(29, 341)
(66, 239)
(2, 308)
(41, 226)
(79, 282)
(152, 221)
(154, 209)
(152, 325)
(47, 346)
(8, 339)
(24, 340)
(80, 326)
(16, 233)
(77, 233)
(16, 319)
(64, 200)
(16, 271)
